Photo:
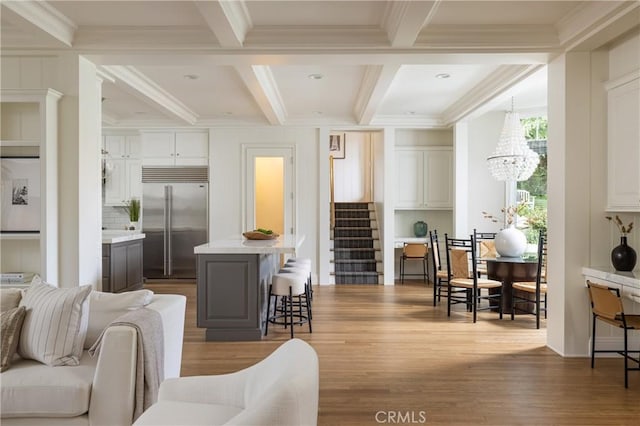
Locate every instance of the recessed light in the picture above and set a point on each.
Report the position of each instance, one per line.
(410, 113)
(317, 112)
(315, 76)
(140, 112)
(190, 76)
(443, 75)
(227, 113)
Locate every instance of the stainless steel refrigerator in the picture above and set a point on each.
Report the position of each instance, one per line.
(174, 220)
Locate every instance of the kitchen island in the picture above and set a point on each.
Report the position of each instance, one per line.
(233, 276)
(121, 260)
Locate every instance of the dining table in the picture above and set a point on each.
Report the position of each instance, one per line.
(509, 270)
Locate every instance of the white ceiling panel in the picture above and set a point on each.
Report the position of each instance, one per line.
(121, 105)
(502, 12)
(325, 13)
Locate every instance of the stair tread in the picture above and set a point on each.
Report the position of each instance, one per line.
(371, 273)
(356, 261)
(355, 249)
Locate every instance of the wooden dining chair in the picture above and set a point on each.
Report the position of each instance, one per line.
(415, 252)
(440, 276)
(462, 276)
(536, 289)
(606, 306)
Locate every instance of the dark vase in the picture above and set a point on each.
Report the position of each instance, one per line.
(420, 229)
(623, 257)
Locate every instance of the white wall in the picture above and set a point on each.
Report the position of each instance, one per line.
(352, 174)
(484, 192)
(226, 192)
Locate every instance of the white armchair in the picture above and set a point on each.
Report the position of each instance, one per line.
(280, 390)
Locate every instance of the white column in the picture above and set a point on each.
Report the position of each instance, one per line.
(389, 173)
(79, 165)
(461, 180)
(575, 94)
(324, 200)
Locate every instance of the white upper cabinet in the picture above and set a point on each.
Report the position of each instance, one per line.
(175, 148)
(124, 182)
(623, 144)
(424, 178)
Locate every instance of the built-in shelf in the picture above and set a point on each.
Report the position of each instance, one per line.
(19, 235)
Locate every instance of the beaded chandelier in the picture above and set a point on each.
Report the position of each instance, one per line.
(512, 160)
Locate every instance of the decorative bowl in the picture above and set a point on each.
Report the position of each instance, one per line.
(255, 235)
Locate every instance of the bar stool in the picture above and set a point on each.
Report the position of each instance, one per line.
(304, 269)
(296, 261)
(287, 286)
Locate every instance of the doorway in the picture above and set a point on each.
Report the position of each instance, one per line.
(269, 202)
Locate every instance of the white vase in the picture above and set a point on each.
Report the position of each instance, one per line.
(511, 242)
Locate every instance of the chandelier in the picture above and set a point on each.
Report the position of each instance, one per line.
(512, 160)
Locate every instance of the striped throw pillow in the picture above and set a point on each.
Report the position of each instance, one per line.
(55, 325)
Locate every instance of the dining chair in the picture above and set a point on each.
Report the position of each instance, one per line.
(440, 276)
(486, 247)
(415, 252)
(606, 306)
(462, 276)
(537, 288)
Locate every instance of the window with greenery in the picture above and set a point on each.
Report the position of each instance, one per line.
(536, 185)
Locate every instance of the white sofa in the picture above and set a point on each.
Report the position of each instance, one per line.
(280, 390)
(99, 391)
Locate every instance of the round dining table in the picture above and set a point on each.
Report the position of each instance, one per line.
(509, 270)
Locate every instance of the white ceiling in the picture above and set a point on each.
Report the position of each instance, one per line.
(252, 59)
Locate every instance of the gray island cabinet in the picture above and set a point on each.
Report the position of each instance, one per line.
(121, 261)
(233, 277)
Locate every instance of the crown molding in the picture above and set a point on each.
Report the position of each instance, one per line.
(262, 85)
(491, 37)
(376, 82)
(147, 39)
(403, 20)
(228, 20)
(45, 17)
(144, 87)
(500, 80)
(316, 36)
(413, 121)
(584, 26)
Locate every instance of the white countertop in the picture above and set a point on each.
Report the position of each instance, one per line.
(112, 236)
(398, 242)
(607, 273)
(240, 245)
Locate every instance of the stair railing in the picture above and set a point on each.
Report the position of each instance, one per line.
(333, 201)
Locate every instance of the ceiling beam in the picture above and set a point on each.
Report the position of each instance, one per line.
(262, 85)
(132, 80)
(228, 20)
(498, 82)
(46, 17)
(403, 20)
(375, 84)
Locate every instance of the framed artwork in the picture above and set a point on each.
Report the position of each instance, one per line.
(336, 145)
(20, 194)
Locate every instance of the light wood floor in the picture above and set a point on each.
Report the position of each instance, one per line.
(386, 348)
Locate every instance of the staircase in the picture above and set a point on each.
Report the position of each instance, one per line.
(356, 246)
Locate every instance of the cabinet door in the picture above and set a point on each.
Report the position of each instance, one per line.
(409, 178)
(192, 145)
(623, 192)
(134, 179)
(115, 187)
(133, 146)
(118, 267)
(134, 265)
(438, 179)
(158, 145)
(115, 146)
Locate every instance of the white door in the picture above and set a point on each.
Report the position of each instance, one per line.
(269, 189)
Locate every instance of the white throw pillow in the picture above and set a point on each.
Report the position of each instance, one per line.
(106, 307)
(55, 325)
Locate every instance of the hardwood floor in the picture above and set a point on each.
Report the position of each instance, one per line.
(388, 356)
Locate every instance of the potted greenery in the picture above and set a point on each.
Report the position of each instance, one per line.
(133, 209)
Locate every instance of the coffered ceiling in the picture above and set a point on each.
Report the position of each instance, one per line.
(334, 63)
